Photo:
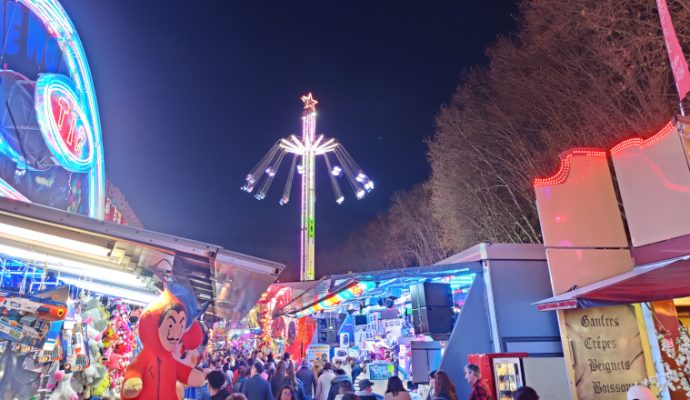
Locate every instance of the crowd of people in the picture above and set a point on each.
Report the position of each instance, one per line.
(258, 376)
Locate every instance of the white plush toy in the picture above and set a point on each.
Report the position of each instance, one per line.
(63, 390)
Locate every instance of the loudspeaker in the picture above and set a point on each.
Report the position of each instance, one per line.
(323, 337)
(432, 320)
(431, 295)
(360, 320)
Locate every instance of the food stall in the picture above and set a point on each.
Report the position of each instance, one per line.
(621, 275)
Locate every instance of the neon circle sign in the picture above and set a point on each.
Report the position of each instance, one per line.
(63, 123)
(69, 164)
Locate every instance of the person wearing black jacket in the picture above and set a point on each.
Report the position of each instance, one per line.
(256, 387)
(306, 375)
(340, 376)
(217, 385)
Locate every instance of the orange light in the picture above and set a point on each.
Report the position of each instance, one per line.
(309, 102)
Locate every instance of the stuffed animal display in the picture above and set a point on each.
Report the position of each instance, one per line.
(154, 371)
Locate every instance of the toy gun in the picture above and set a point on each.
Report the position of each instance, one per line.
(27, 305)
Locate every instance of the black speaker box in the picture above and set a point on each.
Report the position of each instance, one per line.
(323, 337)
(431, 295)
(432, 320)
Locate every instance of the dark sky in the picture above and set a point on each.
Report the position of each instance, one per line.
(193, 93)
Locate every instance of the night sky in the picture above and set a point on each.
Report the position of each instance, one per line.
(193, 93)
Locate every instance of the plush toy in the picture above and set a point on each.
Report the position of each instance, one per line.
(63, 390)
(154, 371)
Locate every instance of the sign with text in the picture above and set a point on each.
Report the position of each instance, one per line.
(315, 350)
(607, 351)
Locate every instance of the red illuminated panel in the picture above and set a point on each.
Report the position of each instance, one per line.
(644, 143)
(564, 170)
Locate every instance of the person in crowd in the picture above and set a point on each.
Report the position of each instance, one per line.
(396, 390)
(217, 385)
(350, 396)
(243, 375)
(345, 388)
(236, 396)
(340, 377)
(242, 365)
(294, 382)
(278, 380)
(347, 365)
(323, 386)
(270, 358)
(412, 389)
(317, 368)
(480, 391)
(287, 393)
(639, 392)
(525, 393)
(356, 368)
(286, 357)
(366, 391)
(256, 387)
(443, 387)
(306, 375)
(270, 371)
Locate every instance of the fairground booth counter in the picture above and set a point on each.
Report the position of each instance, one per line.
(475, 305)
(621, 275)
(73, 288)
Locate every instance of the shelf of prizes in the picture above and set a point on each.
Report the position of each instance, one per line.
(59, 342)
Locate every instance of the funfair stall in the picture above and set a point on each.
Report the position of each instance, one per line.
(73, 289)
(411, 321)
(621, 281)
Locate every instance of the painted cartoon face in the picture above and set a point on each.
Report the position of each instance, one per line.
(171, 327)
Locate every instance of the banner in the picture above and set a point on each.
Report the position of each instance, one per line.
(679, 64)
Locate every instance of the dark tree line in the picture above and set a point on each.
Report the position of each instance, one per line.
(575, 73)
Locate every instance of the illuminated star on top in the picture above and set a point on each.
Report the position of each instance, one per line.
(309, 102)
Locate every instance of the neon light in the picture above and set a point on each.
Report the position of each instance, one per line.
(58, 24)
(309, 102)
(644, 143)
(63, 123)
(349, 293)
(564, 170)
(308, 147)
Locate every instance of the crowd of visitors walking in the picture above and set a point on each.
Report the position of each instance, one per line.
(258, 376)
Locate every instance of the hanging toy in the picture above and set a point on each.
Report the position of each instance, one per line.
(154, 371)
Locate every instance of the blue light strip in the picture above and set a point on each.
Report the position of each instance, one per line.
(54, 17)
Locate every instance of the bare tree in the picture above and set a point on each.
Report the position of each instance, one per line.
(577, 73)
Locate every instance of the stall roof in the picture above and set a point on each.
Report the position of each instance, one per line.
(660, 280)
(232, 281)
(498, 251)
(387, 279)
